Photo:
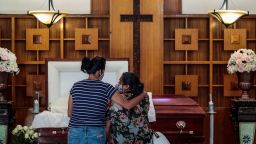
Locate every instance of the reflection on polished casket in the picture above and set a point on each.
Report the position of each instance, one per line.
(180, 118)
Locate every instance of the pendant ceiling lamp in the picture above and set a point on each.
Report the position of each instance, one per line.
(226, 16)
(48, 17)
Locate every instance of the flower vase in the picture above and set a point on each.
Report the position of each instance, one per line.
(245, 81)
(3, 84)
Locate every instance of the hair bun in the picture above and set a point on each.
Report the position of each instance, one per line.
(86, 64)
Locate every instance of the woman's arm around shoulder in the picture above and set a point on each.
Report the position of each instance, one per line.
(128, 104)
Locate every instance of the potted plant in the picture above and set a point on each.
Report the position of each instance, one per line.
(8, 65)
(243, 63)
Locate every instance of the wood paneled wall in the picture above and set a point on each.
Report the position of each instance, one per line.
(160, 62)
(151, 35)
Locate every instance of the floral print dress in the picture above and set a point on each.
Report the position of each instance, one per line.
(130, 126)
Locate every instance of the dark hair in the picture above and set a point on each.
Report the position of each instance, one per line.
(90, 66)
(136, 87)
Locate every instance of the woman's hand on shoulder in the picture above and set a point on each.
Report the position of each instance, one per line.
(145, 94)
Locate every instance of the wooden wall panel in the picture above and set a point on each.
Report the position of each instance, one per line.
(121, 33)
(5, 28)
(172, 6)
(100, 7)
(121, 44)
(152, 47)
(115, 41)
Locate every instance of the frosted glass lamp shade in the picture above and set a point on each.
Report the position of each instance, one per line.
(48, 17)
(228, 17)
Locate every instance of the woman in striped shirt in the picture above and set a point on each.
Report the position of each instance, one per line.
(88, 103)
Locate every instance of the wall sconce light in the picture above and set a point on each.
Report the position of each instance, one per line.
(226, 16)
(49, 17)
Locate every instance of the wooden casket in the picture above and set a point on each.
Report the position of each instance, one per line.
(180, 118)
(172, 112)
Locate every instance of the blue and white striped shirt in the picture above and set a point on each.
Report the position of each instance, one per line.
(90, 102)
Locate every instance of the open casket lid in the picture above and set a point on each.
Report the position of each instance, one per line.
(62, 74)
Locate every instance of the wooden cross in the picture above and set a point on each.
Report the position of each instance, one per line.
(136, 18)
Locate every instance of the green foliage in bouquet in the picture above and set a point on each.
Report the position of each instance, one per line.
(24, 135)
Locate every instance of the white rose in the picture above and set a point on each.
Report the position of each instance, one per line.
(19, 127)
(14, 131)
(26, 136)
(31, 132)
(35, 135)
(25, 128)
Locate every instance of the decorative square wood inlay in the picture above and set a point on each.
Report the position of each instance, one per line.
(186, 39)
(35, 83)
(231, 88)
(37, 39)
(234, 39)
(186, 85)
(86, 39)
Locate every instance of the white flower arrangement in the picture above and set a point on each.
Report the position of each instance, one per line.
(242, 60)
(24, 135)
(8, 61)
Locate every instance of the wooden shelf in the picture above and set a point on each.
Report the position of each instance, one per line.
(203, 39)
(20, 85)
(174, 85)
(5, 39)
(169, 85)
(186, 62)
(69, 39)
(31, 62)
(218, 39)
(218, 85)
(173, 39)
(251, 39)
(221, 85)
(187, 16)
(23, 39)
(54, 39)
(169, 39)
(86, 16)
(220, 62)
(20, 39)
(103, 39)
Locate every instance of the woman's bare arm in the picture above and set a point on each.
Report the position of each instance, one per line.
(128, 104)
(70, 105)
(108, 126)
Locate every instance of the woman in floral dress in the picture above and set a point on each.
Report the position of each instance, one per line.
(129, 126)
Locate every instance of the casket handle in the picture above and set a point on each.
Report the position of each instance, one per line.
(63, 131)
(181, 125)
(54, 132)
